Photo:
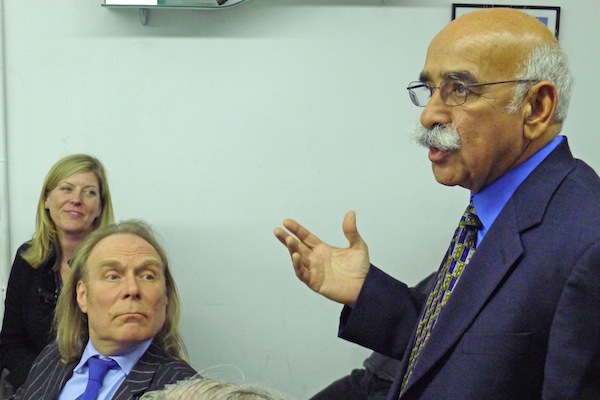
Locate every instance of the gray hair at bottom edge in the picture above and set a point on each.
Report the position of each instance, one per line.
(198, 388)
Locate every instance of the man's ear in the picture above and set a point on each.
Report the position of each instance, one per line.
(82, 296)
(539, 108)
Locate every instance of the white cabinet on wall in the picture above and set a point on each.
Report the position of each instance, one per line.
(146, 5)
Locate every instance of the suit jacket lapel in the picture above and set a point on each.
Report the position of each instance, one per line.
(48, 375)
(58, 378)
(139, 379)
(494, 258)
(483, 274)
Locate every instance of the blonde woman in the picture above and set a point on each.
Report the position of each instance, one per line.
(74, 201)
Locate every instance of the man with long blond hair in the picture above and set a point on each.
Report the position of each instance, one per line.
(119, 307)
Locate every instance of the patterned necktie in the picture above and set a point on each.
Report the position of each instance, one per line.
(97, 368)
(462, 248)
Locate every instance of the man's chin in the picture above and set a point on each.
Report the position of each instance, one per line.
(447, 174)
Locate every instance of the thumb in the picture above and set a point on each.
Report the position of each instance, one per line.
(350, 230)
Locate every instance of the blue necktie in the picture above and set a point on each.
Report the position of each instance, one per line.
(97, 369)
(458, 256)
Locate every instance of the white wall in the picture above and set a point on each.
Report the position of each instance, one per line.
(216, 125)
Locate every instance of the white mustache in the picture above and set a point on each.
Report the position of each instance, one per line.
(442, 137)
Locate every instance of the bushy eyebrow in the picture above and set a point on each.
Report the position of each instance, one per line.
(458, 75)
(424, 77)
(147, 262)
(461, 76)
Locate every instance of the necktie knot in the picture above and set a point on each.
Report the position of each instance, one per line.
(97, 370)
(470, 220)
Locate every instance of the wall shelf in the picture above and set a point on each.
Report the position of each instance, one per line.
(145, 6)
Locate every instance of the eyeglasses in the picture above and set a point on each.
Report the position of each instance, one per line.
(453, 91)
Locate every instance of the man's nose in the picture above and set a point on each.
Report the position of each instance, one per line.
(436, 112)
(132, 286)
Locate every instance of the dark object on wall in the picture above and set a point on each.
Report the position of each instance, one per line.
(549, 16)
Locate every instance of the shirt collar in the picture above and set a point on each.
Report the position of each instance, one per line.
(492, 199)
(126, 360)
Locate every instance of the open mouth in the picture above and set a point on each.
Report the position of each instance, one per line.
(437, 155)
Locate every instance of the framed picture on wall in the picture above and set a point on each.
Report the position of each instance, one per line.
(549, 16)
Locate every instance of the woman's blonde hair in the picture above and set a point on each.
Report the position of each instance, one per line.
(45, 238)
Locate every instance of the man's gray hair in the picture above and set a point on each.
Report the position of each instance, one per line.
(198, 388)
(546, 63)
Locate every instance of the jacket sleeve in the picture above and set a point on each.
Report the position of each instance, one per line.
(385, 332)
(17, 353)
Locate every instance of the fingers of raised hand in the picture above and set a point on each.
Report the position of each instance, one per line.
(303, 234)
(281, 235)
(294, 246)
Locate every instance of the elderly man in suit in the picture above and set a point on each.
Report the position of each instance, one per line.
(117, 313)
(514, 311)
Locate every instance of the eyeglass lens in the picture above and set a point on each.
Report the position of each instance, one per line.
(453, 92)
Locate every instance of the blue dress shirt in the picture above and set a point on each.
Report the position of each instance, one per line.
(492, 199)
(114, 378)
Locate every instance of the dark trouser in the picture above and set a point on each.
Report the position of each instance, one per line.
(359, 385)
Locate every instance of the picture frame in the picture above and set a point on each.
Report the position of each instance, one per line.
(549, 16)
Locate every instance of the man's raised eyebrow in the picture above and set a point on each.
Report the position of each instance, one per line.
(423, 77)
(151, 262)
(458, 75)
(115, 263)
(109, 262)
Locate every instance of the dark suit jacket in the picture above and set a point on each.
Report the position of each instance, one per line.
(152, 372)
(524, 320)
(28, 311)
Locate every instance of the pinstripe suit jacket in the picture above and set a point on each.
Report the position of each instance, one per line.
(48, 375)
